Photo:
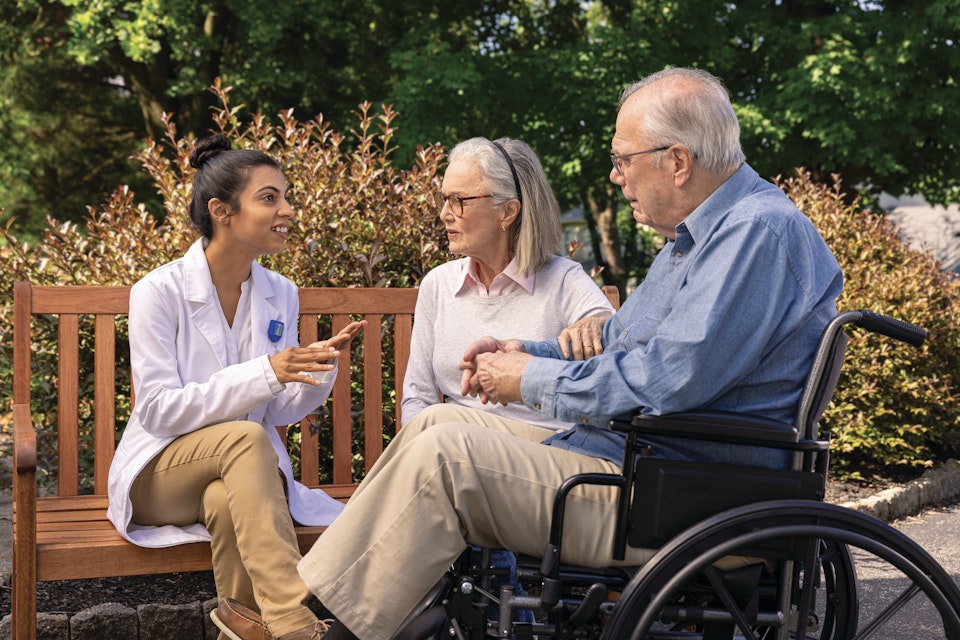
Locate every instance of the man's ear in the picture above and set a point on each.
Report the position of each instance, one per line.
(682, 159)
(219, 211)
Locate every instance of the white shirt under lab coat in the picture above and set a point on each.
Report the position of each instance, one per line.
(183, 381)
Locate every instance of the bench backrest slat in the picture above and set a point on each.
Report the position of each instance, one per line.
(105, 395)
(68, 363)
(342, 415)
(372, 402)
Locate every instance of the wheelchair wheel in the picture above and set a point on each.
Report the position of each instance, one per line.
(680, 594)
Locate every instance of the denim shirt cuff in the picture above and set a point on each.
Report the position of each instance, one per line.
(542, 349)
(538, 386)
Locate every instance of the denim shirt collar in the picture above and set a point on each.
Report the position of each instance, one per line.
(702, 221)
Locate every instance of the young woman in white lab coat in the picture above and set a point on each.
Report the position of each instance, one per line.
(216, 364)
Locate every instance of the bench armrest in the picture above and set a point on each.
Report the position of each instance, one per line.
(720, 426)
(24, 440)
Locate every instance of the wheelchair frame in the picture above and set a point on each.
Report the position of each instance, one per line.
(800, 583)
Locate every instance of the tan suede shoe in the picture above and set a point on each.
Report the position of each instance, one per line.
(313, 631)
(239, 622)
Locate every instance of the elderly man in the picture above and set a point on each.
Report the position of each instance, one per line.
(727, 318)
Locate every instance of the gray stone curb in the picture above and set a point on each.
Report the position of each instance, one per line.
(153, 621)
(936, 485)
(112, 621)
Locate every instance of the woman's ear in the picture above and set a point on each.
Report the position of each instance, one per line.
(511, 211)
(219, 211)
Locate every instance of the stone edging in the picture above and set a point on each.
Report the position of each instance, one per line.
(936, 485)
(112, 621)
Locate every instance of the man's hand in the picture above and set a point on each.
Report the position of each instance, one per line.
(469, 384)
(495, 376)
(584, 339)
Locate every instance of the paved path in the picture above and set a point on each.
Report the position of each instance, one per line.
(937, 531)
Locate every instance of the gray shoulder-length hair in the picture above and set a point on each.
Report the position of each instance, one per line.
(702, 119)
(537, 230)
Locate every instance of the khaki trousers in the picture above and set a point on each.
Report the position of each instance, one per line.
(452, 476)
(225, 476)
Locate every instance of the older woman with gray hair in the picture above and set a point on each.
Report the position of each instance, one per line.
(502, 217)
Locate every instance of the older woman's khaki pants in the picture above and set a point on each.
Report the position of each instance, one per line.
(225, 477)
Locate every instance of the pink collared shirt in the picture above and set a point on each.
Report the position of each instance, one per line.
(505, 282)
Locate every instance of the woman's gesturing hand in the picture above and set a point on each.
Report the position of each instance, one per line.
(294, 363)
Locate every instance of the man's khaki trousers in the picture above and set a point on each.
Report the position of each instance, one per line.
(452, 476)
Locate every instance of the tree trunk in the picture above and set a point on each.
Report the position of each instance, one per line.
(605, 240)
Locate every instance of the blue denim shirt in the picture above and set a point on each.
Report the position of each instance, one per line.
(727, 318)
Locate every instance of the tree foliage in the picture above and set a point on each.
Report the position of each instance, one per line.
(859, 89)
(64, 140)
(862, 89)
(86, 83)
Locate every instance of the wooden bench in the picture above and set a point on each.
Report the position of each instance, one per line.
(67, 535)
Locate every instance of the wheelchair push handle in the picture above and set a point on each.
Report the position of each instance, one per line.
(892, 328)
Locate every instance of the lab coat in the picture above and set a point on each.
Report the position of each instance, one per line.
(182, 383)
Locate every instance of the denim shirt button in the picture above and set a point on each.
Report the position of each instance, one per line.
(537, 406)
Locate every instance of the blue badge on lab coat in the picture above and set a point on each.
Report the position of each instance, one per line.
(275, 330)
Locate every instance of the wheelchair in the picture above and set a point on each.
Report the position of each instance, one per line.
(738, 551)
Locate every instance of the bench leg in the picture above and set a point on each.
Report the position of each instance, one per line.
(24, 597)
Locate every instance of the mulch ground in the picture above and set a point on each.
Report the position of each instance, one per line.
(72, 596)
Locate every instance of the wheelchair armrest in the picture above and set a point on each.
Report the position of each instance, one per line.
(720, 426)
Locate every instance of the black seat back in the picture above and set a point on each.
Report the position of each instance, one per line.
(822, 379)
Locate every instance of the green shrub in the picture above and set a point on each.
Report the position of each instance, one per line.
(897, 408)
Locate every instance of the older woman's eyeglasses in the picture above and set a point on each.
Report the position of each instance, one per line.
(618, 160)
(456, 202)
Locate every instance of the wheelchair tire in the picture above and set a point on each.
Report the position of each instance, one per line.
(426, 625)
(654, 591)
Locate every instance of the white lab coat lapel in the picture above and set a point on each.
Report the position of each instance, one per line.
(207, 317)
(205, 312)
(263, 310)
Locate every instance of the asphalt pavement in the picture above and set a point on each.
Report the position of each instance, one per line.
(880, 584)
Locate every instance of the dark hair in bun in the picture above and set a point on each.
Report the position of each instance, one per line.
(222, 173)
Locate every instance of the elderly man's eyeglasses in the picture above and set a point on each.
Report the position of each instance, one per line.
(618, 160)
(456, 202)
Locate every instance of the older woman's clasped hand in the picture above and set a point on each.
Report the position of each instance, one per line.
(293, 363)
